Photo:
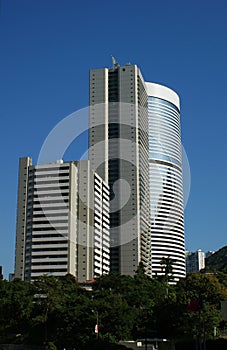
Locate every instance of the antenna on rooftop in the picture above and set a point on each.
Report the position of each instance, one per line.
(115, 63)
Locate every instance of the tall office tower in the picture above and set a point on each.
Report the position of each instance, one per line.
(118, 152)
(195, 261)
(62, 221)
(166, 187)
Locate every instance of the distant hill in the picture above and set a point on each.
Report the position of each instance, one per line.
(217, 261)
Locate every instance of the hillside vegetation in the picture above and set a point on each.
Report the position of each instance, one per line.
(218, 261)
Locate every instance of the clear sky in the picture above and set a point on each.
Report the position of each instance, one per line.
(46, 50)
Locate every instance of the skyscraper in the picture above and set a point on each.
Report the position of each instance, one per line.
(166, 187)
(118, 152)
(62, 221)
(135, 148)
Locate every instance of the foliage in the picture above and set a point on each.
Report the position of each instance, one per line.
(16, 303)
(167, 268)
(51, 346)
(217, 262)
(205, 292)
(57, 311)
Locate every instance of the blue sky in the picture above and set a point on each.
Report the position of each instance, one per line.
(46, 50)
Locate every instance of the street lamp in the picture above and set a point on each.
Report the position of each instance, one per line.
(97, 325)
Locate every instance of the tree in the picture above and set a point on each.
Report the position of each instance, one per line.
(62, 312)
(16, 304)
(167, 268)
(205, 292)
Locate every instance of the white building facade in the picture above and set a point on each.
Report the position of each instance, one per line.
(62, 221)
(195, 261)
(166, 184)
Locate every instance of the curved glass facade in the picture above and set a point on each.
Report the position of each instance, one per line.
(166, 187)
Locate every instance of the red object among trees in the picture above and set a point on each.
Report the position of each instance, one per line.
(195, 305)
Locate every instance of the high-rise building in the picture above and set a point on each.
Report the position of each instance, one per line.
(166, 187)
(118, 152)
(11, 277)
(62, 221)
(195, 261)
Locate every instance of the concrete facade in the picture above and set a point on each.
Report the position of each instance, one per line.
(195, 261)
(58, 206)
(118, 151)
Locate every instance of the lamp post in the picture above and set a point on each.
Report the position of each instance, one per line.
(97, 321)
(146, 342)
(97, 325)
